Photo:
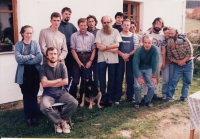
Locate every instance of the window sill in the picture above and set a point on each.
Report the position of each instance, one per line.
(4, 53)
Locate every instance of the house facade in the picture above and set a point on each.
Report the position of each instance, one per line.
(16, 13)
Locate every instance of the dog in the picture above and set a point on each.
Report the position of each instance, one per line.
(88, 90)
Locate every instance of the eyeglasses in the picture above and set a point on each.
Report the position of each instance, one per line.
(106, 22)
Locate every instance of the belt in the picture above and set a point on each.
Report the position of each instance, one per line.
(188, 60)
(82, 53)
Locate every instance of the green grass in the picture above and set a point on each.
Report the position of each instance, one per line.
(191, 24)
(141, 122)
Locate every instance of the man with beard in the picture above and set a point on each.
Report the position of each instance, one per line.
(155, 33)
(144, 66)
(67, 29)
(53, 75)
(83, 50)
(53, 37)
(180, 52)
(91, 23)
(107, 41)
(118, 18)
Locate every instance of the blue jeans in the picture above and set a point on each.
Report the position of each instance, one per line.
(167, 74)
(146, 75)
(120, 77)
(111, 80)
(95, 74)
(187, 73)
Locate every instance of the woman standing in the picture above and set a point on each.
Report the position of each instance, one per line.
(28, 56)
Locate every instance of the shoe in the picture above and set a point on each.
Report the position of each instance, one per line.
(149, 104)
(164, 97)
(168, 100)
(117, 103)
(34, 121)
(28, 122)
(155, 97)
(58, 128)
(136, 105)
(184, 99)
(65, 128)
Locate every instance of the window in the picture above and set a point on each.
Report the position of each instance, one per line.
(8, 24)
(131, 11)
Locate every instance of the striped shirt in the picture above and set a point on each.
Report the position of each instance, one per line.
(181, 50)
(82, 42)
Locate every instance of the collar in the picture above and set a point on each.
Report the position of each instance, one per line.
(64, 23)
(79, 33)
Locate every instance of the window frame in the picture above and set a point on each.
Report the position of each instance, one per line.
(15, 19)
(129, 15)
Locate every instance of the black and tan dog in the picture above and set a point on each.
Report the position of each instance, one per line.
(88, 90)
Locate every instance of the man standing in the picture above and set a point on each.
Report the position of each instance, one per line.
(53, 77)
(125, 53)
(67, 29)
(167, 65)
(53, 37)
(180, 52)
(155, 33)
(144, 66)
(92, 22)
(118, 18)
(107, 41)
(83, 51)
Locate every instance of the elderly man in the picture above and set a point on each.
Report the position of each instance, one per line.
(83, 51)
(144, 68)
(107, 41)
(53, 37)
(180, 52)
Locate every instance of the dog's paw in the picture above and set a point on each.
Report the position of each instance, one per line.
(90, 107)
(99, 106)
(82, 104)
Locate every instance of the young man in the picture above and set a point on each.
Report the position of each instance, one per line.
(53, 75)
(180, 52)
(144, 68)
(83, 50)
(91, 23)
(167, 65)
(118, 21)
(67, 29)
(107, 41)
(53, 37)
(125, 53)
(155, 33)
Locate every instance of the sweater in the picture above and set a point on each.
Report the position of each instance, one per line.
(144, 60)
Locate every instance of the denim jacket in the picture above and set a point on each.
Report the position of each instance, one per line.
(26, 59)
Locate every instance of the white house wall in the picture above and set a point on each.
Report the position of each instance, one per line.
(37, 14)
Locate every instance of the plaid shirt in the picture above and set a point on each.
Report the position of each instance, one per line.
(182, 49)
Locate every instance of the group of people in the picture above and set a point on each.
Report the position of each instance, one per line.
(116, 49)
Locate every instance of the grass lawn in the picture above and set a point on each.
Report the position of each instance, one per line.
(191, 24)
(109, 122)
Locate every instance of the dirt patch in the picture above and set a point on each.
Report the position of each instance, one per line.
(126, 133)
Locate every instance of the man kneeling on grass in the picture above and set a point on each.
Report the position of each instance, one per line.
(54, 77)
(144, 68)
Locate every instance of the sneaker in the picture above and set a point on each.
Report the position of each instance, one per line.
(184, 99)
(149, 104)
(164, 97)
(65, 128)
(117, 103)
(58, 128)
(168, 100)
(136, 105)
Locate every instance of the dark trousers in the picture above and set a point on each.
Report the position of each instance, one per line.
(30, 88)
(120, 77)
(69, 61)
(95, 74)
(76, 74)
(109, 96)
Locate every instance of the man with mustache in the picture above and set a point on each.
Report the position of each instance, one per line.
(53, 75)
(180, 52)
(107, 41)
(155, 33)
(67, 29)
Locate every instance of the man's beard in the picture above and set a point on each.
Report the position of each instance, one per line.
(66, 20)
(156, 29)
(52, 61)
(107, 30)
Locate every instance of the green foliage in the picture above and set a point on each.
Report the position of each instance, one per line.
(7, 41)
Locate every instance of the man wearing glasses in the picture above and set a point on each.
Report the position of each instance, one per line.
(107, 41)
